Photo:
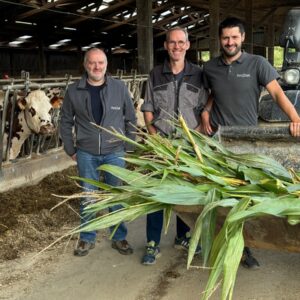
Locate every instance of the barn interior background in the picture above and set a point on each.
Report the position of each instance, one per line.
(49, 37)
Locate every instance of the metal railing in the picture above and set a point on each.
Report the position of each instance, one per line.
(37, 143)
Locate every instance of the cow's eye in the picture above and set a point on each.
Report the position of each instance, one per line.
(32, 111)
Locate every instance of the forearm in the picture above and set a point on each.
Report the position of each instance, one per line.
(287, 107)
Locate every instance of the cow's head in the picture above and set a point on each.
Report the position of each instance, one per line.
(36, 107)
(54, 94)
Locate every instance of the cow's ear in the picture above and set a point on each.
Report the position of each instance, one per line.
(56, 102)
(22, 103)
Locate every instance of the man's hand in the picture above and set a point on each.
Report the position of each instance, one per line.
(205, 123)
(74, 157)
(295, 128)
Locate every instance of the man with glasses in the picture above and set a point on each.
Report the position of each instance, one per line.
(173, 87)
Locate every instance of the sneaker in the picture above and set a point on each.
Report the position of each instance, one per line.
(152, 252)
(83, 248)
(122, 247)
(248, 261)
(183, 243)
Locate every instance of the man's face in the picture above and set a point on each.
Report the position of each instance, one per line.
(96, 65)
(177, 45)
(231, 41)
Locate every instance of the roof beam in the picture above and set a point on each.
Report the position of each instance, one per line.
(39, 10)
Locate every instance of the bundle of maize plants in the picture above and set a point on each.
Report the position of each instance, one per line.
(194, 169)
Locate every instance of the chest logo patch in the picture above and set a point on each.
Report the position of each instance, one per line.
(243, 75)
(115, 107)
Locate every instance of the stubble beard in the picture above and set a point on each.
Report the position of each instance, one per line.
(228, 53)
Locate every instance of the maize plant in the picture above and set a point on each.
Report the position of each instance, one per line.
(194, 169)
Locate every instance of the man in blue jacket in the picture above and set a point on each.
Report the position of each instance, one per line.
(103, 100)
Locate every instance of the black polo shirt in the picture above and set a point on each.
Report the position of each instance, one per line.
(236, 88)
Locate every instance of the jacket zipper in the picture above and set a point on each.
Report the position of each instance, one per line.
(103, 115)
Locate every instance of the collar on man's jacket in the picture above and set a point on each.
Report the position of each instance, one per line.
(188, 68)
(83, 79)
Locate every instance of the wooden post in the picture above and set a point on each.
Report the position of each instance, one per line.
(214, 20)
(248, 45)
(270, 40)
(144, 36)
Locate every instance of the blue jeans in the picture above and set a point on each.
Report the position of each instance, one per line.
(87, 165)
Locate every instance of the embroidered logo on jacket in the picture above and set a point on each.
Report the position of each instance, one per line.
(115, 107)
(243, 75)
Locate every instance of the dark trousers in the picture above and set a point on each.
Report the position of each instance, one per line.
(155, 224)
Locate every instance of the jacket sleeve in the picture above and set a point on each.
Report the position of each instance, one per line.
(130, 120)
(148, 101)
(66, 125)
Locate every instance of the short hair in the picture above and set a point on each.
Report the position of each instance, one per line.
(91, 50)
(232, 22)
(177, 28)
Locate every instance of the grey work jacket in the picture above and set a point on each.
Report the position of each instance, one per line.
(165, 99)
(118, 113)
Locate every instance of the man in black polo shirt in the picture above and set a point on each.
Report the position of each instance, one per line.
(235, 79)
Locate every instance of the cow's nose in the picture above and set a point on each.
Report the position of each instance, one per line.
(47, 129)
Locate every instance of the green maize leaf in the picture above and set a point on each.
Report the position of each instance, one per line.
(122, 137)
(167, 217)
(96, 183)
(203, 227)
(253, 175)
(221, 238)
(176, 194)
(279, 207)
(261, 162)
(126, 199)
(131, 177)
(145, 163)
(232, 259)
(219, 250)
(293, 188)
(273, 185)
(192, 170)
(215, 274)
(116, 217)
(209, 225)
(208, 210)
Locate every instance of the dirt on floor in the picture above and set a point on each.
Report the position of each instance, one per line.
(26, 220)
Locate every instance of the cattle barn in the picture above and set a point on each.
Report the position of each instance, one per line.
(42, 43)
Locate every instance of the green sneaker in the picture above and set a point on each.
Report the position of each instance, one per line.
(152, 252)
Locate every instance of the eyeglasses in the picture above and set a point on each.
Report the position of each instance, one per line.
(174, 43)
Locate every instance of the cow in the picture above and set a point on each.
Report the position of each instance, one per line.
(32, 115)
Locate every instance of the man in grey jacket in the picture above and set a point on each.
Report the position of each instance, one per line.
(174, 87)
(103, 100)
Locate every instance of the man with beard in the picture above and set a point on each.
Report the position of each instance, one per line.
(235, 79)
(100, 99)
